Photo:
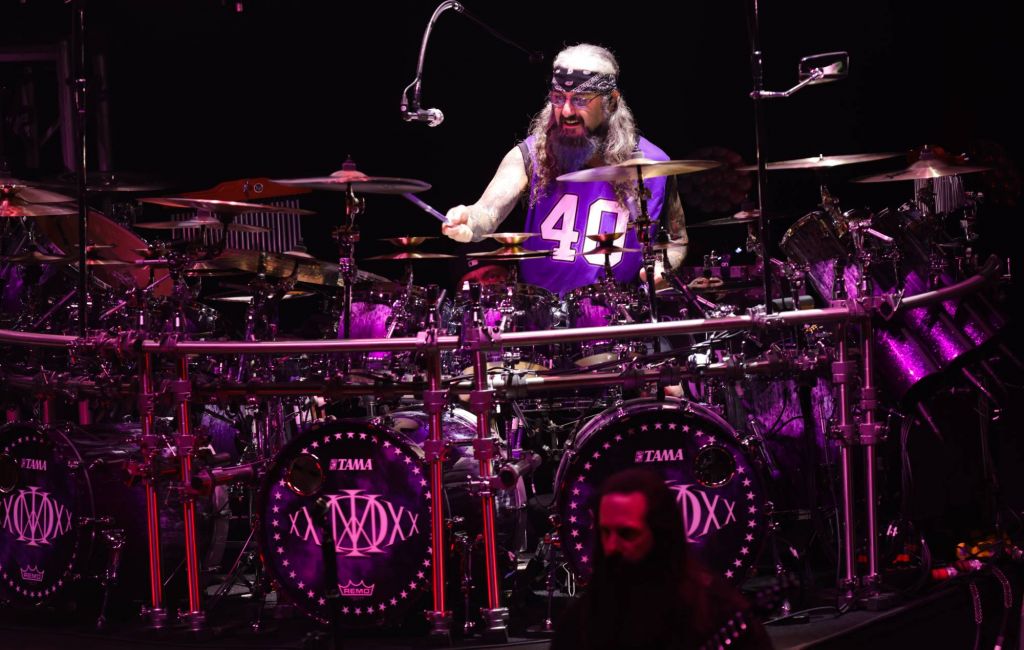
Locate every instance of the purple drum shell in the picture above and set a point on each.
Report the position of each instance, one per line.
(66, 475)
(725, 522)
(379, 509)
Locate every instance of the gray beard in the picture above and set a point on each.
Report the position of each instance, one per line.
(571, 153)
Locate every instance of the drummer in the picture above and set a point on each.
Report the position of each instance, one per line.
(585, 123)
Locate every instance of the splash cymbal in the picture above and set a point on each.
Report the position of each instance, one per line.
(627, 170)
(407, 242)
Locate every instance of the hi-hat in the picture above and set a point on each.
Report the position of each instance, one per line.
(218, 206)
(922, 170)
(359, 183)
(627, 170)
(821, 161)
(200, 222)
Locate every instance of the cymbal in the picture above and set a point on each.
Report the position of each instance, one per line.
(611, 250)
(218, 206)
(508, 253)
(669, 245)
(741, 218)
(247, 298)
(627, 170)
(821, 161)
(412, 255)
(19, 191)
(921, 170)
(605, 237)
(310, 271)
(407, 242)
(14, 210)
(36, 257)
(511, 238)
(112, 182)
(199, 222)
(359, 183)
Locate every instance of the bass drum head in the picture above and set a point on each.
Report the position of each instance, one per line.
(43, 493)
(374, 485)
(718, 489)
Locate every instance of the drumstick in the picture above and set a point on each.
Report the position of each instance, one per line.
(426, 208)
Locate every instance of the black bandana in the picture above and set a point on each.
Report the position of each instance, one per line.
(571, 80)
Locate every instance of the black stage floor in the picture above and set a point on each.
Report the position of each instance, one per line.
(943, 618)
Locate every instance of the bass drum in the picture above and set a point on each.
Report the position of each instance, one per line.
(718, 489)
(374, 487)
(63, 492)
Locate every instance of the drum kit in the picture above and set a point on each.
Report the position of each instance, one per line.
(367, 482)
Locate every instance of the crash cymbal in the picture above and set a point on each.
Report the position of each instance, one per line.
(508, 253)
(18, 191)
(821, 161)
(218, 206)
(412, 255)
(14, 210)
(246, 298)
(627, 170)
(921, 170)
(200, 222)
(407, 242)
(511, 238)
(359, 183)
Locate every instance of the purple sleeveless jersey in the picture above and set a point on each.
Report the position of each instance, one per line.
(571, 211)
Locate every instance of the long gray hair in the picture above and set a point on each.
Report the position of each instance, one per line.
(620, 134)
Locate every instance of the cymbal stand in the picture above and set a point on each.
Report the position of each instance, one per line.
(435, 449)
(642, 224)
(347, 236)
(477, 336)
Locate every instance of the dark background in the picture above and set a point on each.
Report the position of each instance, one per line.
(201, 93)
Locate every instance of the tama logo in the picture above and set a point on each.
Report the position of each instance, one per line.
(32, 574)
(346, 464)
(658, 455)
(356, 590)
(33, 463)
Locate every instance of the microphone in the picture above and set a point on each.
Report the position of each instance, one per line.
(431, 116)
